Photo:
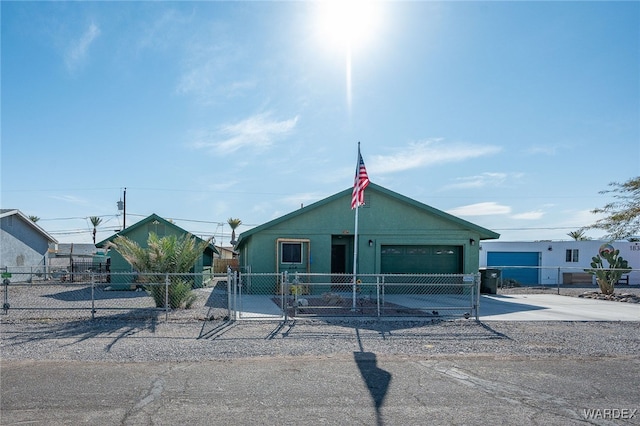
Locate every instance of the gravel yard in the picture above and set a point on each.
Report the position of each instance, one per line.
(196, 335)
(142, 341)
(566, 290)
(623, 293)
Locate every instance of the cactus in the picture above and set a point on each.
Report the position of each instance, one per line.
(608, 277)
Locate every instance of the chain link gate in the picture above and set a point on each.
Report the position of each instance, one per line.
(283, 296)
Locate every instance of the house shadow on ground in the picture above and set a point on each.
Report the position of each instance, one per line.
(99, 293)
(502, 305)
(109, 328)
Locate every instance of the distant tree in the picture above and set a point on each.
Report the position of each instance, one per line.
(233, 223)
(34, 219)
(95, 221)
(623, 214)
(170, 254)
(578, 235)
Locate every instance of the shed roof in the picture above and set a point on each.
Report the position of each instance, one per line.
(77, 249)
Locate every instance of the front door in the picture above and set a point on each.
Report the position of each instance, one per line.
(338, 259)
(339, 267)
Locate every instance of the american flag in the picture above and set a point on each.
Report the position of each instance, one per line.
(360, 183)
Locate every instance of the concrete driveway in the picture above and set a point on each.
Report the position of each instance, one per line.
(515, 307)
(553, 307)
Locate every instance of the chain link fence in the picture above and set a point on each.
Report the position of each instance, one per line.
(116, 295)
(338, 295)
(236, 296)
(559, 278)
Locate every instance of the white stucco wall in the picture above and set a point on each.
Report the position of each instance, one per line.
(552, 256)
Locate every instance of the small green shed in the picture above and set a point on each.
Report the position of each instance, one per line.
(139, 232)
(396, 234)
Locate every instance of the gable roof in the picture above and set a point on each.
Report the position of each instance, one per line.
(483, 232)
(29, 222)
(144, 222)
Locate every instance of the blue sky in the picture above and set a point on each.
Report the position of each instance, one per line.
(512, 115)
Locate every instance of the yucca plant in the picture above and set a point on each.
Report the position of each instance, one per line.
(170, 254)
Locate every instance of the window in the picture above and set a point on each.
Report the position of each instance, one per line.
(572, 255)
(291, 252)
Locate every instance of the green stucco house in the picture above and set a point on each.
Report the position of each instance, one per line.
(139, 232)
(396, 234)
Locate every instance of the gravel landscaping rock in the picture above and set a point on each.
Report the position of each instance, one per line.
(203, 334)
(572, 290)
(156, 340)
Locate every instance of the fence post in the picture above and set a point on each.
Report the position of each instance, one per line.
(477, 295)
(284, 278)
(378, 294)
(5, 305)
(229, 288)
(237, 292)
(382, 293)
(296, 283)
(93, 299)
(166, 297)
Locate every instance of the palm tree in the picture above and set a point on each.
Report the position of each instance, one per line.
(34, 219)
(578, 235)
(95, 221)
(170, 254)
(233, 223)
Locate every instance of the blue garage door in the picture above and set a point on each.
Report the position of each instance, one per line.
(527, 274)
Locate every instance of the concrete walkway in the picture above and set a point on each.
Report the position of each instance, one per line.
(521, 307)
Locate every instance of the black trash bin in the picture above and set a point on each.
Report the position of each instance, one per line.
(489, 280)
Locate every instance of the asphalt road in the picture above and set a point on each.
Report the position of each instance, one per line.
(361, 388)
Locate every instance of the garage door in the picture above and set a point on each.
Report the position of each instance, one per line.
(403, 259)
(528, 262)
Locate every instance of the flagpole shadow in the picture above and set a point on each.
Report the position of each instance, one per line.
(376, 379)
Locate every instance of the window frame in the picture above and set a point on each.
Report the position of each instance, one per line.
(572, 255)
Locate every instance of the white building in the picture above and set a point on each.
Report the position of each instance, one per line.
(553, 262)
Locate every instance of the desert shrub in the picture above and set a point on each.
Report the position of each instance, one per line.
(180, 294)
(510, 283)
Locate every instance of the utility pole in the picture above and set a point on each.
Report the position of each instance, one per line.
(122, 205)
(124, 215)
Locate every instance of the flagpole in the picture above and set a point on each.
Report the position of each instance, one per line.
(355, 238)
(355, 259)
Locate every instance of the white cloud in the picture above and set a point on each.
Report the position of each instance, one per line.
(163, 31)
(197, 79)
(485, 179)
(532, 215)
(481, 209)
(304, 199)
(543, 149)
(427, 153)
(258, 131)
(208, 69)
(77, 51)
(69, 199)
